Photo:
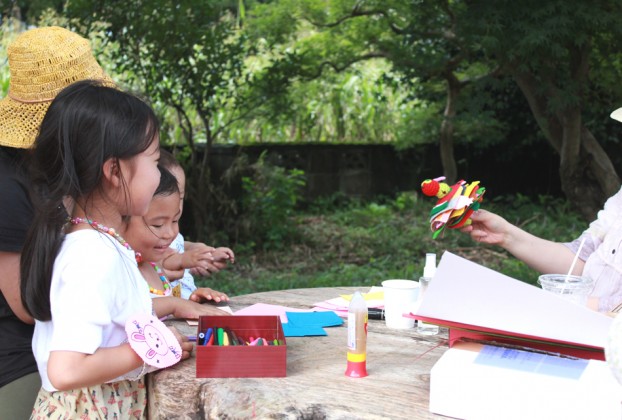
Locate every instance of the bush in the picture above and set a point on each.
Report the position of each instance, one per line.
(270, 198)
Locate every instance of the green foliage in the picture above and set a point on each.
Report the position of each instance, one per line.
(353, 107)
(404, 201)
(415, 46)
(361, 244)
(9, 28)
(549, 40)
(351, 71)
(189, 58)
(270, 197)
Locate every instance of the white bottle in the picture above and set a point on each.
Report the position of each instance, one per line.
(428, 273)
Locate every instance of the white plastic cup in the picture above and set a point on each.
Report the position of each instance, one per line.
(576, 289)
(399, 297)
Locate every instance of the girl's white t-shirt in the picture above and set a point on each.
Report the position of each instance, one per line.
(96, 287)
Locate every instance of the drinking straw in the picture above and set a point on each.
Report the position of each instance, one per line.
(574, 260)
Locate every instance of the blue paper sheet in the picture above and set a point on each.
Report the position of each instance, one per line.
(294, 331)
(303, 324)
(314, 319)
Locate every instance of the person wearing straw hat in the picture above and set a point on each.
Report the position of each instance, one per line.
(42, 62)
(599, 248)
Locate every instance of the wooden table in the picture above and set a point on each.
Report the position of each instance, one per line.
(398, 385)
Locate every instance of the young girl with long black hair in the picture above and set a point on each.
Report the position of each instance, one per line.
(94, 165)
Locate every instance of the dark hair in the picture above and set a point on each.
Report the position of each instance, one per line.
(167, 186)
(86, 125)
(167, 160)
(168, 183)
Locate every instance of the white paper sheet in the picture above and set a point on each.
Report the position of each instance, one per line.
(468, 293)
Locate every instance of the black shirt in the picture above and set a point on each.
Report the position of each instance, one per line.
(16, 358)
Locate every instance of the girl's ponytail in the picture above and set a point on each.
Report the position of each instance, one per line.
(42, 245)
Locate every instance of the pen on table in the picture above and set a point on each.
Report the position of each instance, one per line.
(375, 313)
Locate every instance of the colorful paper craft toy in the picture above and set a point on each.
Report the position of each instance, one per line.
(455, 204)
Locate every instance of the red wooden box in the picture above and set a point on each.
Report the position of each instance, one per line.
(242, 361)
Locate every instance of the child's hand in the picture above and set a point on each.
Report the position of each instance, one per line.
(198, 256)
(221, 257)
(222, 253)
(186, 346)
(170, 272)
(189, 309)
(205, 294)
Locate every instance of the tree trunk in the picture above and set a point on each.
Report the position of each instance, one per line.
(446, 141)
(587, 175)
(592, 179)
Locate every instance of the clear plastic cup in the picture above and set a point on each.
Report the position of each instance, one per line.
(576, 289)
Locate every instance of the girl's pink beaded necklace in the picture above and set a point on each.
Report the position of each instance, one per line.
(139, 258)
(109, 231)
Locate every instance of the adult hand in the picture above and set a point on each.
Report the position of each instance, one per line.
(488, 228)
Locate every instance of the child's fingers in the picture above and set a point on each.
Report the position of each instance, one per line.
(215, 266)
(227, 251)
(223, 296)
(186, 349)
(205, 293)
(199, 271)
(221, 255)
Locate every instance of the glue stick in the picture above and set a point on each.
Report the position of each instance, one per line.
(357, 337)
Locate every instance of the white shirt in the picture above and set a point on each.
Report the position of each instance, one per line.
(602, 253)
(96, 286)
(187, 281)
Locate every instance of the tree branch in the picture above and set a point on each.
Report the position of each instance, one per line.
(339, 68)
(357, 12)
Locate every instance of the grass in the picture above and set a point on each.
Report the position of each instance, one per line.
(361, 244)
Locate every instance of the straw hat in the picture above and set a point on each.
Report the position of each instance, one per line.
(41, 63)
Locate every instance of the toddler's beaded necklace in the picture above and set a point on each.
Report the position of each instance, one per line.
(165, 283)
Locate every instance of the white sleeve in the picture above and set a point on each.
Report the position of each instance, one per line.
(594, 235)
(607, 217)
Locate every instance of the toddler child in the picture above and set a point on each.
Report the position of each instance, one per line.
(151, 235)
(219, 256)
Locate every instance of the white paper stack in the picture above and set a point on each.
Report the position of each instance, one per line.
(477, 381)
